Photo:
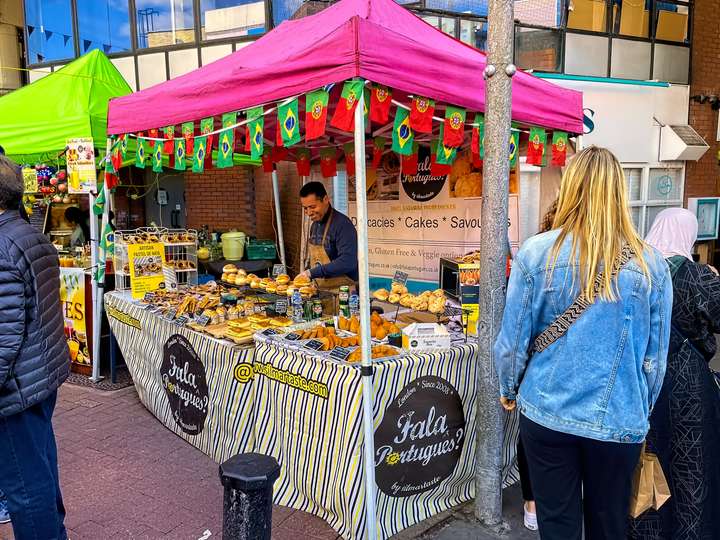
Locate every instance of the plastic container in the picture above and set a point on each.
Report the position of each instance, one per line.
(262, 250)
(233, 245)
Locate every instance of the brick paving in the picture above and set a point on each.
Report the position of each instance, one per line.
(125, 476)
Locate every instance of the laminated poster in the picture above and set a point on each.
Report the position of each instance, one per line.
(146, 268)
(80, 159)
(72, 299)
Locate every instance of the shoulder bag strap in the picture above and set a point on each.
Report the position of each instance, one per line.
(560, 326)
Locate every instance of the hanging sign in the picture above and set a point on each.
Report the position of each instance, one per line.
(30, 180)
(278, 269)
(81, 170)
(146, 268)
(470, 302)
(400, 277)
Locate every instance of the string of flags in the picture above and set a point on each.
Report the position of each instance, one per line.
(412, 124)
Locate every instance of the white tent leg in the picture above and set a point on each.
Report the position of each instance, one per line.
(278, 217)
(366, 368)
(97, 315)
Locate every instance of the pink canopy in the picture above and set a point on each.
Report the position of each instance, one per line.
(377, 40)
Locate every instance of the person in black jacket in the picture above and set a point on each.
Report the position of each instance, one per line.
(34, 362)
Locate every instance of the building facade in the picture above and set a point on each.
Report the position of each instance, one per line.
(11, 51)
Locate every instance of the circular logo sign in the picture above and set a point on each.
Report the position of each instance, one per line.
(183, 378)
(664, 185)
(420, 439)
(423, 186)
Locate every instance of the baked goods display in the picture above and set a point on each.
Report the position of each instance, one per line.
(282, 285)
(379, 328)
(377, 352)
(432, 301)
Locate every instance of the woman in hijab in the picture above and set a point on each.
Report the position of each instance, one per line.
(685, 423)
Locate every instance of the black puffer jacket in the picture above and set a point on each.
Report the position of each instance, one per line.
(34, 359)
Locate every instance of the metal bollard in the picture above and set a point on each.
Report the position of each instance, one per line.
(247, 503)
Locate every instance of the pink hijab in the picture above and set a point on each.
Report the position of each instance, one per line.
(674, 232)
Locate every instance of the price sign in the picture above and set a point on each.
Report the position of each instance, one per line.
(281, 306)
(202, 320)
(314, 345)
(170, 315)
(269, 332)
(292, 336)
(182, 321)
(400, 277)
(340, 353)
(149, 297)
(278, 269)
(259, 308)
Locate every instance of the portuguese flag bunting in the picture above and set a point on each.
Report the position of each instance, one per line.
(445, 154)
(454, 126)
(116, 156)
(514, 146)
(328, 162)
(403, 136)
(378, 149)
(153, 134)
(422, 110)
(410, 162)
(536, 146)
(207, 125)
(199, 154)
(279, 153)
(225, 149)
(188, 133)
(111, 177)
(316, 106)
(559, 148)
(302, 161)
(256, 128)
(380, 102)
(169, 136)
(157, 158)
(438, 169)
(344, 117)
(267, 163)
(140, 153)
(180, 154)
(248, 138)
(289, 124)
(349, 149)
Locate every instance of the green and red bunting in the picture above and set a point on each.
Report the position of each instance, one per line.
(344, 117)
(559, 148)
(153, 134)
(267, 162)
(454, 126)
(200, 152)
(279, 153)
(316, 107)
(207, 125)
(188, 133)
(422, 110)
(536, 146)
(380, 102)
(289, 123)
(410, 162)
(99, 206)
(378, 149)
(328, 162)
(438, 169)
(225, 149)
(349, 149)
(402, 136)
(180, 154)
(302, 161)
(140, 153)
(445, 154)
(514, 147)
(256, 127)
(123, 146)
(116, 156)
(111, 177)
(169, 136)
(157, 158)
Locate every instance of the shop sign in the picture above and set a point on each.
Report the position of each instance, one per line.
(80, 158)
(146, 268)
(423, 186)
(419, 442)
(183, 378)
(72, 298)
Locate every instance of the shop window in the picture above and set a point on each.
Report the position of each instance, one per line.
(590, 15)
(49, 30)
(231, 18)
(586, 55)
(631, 17)
(103, 25)
(672, 21)
(671, 63)
(449, 26)
(665, 185)
(651, 190)
(474, 33)
(470, 7)
(160, 24)
(630, 59)
(283, 10)
(633, 178)
(538, 49)
(547, 14)
(151, 70)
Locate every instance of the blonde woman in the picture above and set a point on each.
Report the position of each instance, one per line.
(585, 382)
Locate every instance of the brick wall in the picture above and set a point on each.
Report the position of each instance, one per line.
(702, 176)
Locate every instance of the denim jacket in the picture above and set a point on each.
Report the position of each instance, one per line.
(601, 379)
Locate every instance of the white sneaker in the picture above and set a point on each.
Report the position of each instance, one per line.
(530, 519)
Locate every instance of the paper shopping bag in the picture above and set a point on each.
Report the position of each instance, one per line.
(643, 492)
(661, 489)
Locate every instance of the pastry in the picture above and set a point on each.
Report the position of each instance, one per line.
(381, 294)
(301, 281)
(397, 288)
(230, 268)
(283, 279)
(394, 298)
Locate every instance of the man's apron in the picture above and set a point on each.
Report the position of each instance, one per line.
(318, 255)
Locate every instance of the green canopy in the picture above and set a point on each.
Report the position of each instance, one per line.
(37, 120)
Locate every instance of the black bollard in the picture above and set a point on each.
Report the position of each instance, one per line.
(247, 506)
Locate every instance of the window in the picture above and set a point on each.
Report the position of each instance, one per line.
(164, 22)
(474, 32)
(104, 25)
(230, 18)
(283, 10)
(49, 30)
(548, 13)
(651, 190)
(538, 49)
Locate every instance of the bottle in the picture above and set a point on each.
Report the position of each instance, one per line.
(343, 301)
(354, 305)
(317, 309)
(297, 307)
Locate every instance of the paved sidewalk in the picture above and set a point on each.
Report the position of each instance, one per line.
(125, 476)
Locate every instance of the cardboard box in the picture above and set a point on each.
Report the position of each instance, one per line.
(633, 18)
(672, 26)
(588, 15)
(426, 336)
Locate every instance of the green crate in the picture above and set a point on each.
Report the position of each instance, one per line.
(261, 250)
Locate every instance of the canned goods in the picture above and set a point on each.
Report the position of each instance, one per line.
(343, 301)
(317, 309)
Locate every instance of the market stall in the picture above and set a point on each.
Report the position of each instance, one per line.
(370, 416)
(55, 128)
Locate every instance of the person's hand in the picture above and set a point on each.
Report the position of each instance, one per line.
(714, 270)
(305, 274)
(508, 404)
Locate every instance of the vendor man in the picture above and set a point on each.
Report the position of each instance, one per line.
(332, 243)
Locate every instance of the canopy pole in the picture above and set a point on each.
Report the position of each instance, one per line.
(97, 318)
(278, 217)
(365, 340)
(493, 240)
